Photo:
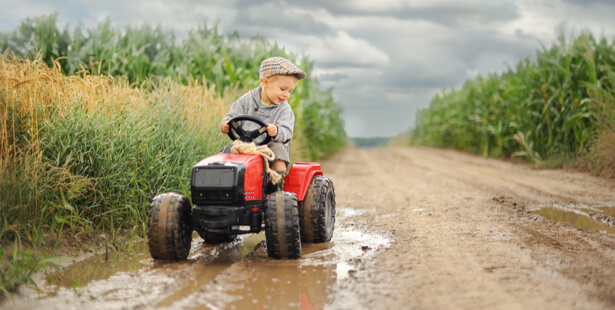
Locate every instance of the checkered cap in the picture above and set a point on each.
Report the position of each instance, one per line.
(278, 65)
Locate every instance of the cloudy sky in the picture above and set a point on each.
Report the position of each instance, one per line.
(384, 58)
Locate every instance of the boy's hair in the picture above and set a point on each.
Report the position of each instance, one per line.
(279, 66)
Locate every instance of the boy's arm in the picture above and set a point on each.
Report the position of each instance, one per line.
(285, 124)
(238, 108)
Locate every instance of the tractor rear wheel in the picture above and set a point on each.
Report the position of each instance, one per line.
(282, 226)
(167, 230)
(317, 211)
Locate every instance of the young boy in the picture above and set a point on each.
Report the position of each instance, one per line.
(269, 101)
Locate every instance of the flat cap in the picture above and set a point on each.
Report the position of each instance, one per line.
(279, 65)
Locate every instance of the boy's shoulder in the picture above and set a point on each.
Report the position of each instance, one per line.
(251, 95)
(254, 92)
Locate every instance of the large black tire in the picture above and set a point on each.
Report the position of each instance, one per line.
(167, 230)
(282, 226)
(317, 211)
(212, 238)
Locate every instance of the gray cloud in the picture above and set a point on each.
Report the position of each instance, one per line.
(333, 77)
(590, 2)
(440, 12)
(270, 16)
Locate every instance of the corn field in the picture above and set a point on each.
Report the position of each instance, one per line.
(544, 110)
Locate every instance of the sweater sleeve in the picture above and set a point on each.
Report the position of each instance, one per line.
(285, 123)
(239, 107)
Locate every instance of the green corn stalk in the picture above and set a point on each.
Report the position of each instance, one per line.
(547, 99)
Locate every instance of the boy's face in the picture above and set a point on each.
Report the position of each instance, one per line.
(277, 89)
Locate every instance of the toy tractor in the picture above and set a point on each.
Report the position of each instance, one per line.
(232, 194)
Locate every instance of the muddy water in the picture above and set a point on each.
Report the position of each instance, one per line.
(598, 218)
(101, 267)
(235, 275)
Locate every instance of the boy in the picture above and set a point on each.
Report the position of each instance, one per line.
(269, 101)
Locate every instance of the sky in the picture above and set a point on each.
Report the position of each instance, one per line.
(383, 59)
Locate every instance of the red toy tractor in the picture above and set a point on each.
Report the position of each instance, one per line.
(232, 195)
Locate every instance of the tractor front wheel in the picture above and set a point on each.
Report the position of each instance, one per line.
(282, 226)
(167, 230)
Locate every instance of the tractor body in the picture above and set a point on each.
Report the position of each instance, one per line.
(231, 194)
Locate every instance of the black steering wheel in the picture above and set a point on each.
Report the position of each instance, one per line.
(235, 132)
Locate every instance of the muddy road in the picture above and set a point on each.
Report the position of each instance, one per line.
(417, 229)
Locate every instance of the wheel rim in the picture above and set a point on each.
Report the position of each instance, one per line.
(328, 213)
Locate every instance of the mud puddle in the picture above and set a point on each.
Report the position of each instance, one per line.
(236, 275)
(100, 267)
(598, 218)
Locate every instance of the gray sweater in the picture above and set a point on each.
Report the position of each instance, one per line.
(281, 115)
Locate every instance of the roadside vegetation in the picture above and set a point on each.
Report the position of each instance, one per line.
(95, 122)
(555, 109)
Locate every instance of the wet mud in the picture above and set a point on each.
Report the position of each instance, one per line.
(235, 275)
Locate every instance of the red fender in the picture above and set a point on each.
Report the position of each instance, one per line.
(299, 178)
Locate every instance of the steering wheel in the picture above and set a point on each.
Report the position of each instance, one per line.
(235, 132)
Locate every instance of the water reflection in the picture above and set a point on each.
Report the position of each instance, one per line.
(260, 282)
(285, 284)
(578, 217)
(100, 268)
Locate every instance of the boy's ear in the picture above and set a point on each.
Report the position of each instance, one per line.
(264, 82)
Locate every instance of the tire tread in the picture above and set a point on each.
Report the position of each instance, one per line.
(167, 229)
(291, 238)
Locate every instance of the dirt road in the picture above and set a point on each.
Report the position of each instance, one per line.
(417, 229)
(465, 236)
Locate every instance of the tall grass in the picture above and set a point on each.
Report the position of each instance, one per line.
(541, 109)
(85, 153)
(114, 146)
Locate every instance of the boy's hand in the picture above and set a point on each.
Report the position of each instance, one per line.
(224, 127)
(272, 130)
